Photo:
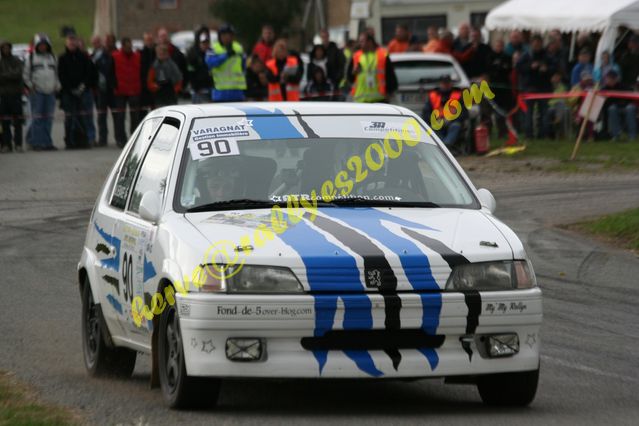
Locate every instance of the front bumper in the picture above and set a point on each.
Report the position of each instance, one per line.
(208, 320)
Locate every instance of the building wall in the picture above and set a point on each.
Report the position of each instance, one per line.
(133, 17)
(456, 11)
(338, 13)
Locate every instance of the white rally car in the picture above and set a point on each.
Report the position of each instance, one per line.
(298, 240)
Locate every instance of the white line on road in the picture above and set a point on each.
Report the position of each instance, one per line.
(586, 369)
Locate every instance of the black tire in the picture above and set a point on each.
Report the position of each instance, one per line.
(508, 389)
(178, 389)
(99, 359)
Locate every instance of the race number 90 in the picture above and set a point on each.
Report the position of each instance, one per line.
(218, 147)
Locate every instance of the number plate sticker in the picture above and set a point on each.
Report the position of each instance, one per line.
(203, 149)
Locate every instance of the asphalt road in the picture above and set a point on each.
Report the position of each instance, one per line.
(590, 364)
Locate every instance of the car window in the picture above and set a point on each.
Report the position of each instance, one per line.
(225, 171)
(422, 72)
(131, 163)
(155, 168)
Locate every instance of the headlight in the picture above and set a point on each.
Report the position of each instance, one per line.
(250, 279)
(487, 276)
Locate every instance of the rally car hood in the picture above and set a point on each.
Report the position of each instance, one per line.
(406, 248)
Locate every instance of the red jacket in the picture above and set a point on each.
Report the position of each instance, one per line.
(127, 73)
(263, 50)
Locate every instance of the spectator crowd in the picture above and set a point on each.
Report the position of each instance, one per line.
(115, 78)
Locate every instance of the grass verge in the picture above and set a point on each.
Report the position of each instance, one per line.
(21, 19)
(622, 228)
(592, 156)
(18, 406)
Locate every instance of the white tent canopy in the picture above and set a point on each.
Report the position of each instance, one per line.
(564, 15)
(604, 16)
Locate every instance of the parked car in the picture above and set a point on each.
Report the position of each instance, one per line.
(419, 73)
(183, 40)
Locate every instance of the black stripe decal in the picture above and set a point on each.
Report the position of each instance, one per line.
(473, 302)
(102, 248)
(472, 298)
(451, 257)
(113, 281)
(395, 356)
(309, 132)
(374, 262)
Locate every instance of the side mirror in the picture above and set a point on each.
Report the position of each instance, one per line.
(150, 206)
(487, 200)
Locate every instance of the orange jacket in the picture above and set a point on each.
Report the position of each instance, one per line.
(274, 88)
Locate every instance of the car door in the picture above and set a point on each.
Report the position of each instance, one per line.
(141, 258)
(108, 246)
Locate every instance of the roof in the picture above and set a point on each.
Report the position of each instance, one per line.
(284, 108)
(565, 15)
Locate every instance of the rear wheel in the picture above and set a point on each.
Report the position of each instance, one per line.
(99, 359)
(178, 389)
(510, 389)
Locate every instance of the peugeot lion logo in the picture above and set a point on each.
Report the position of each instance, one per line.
(374, 278)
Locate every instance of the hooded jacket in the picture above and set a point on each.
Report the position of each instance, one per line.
(40, 73)
(198, 72)
(10, 73)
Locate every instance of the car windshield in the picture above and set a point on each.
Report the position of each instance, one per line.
(423, 72)
(224, 174)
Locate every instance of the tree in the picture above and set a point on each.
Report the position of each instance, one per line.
(248, 16)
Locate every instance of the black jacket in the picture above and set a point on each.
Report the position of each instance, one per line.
(105, 68)
(198, 72)
(75, 68)
(147, 57)
(11, 82)
(500, 66)
(535, 79)
(254, 88)
(479, 63)
(629, 64)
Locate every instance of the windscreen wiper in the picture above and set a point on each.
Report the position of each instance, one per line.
(367, 202)
(247, 203)
(239, 203)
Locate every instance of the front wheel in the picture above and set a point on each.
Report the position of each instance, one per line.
(508, 389)
(178, 389)
(99, 359)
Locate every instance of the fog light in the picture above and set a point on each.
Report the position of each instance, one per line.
(500, 345)
(243, 349)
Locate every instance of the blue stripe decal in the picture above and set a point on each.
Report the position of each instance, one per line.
(270, 124)
(113, 262)
(357, 312)
(431, 356)
(116, 305)
(414, 262)
(357, 308)
(364, 362)
(148, 270)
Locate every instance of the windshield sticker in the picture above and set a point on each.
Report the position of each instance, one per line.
(213, 148)
(234, 130)
(285, 198)
(384, 127)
